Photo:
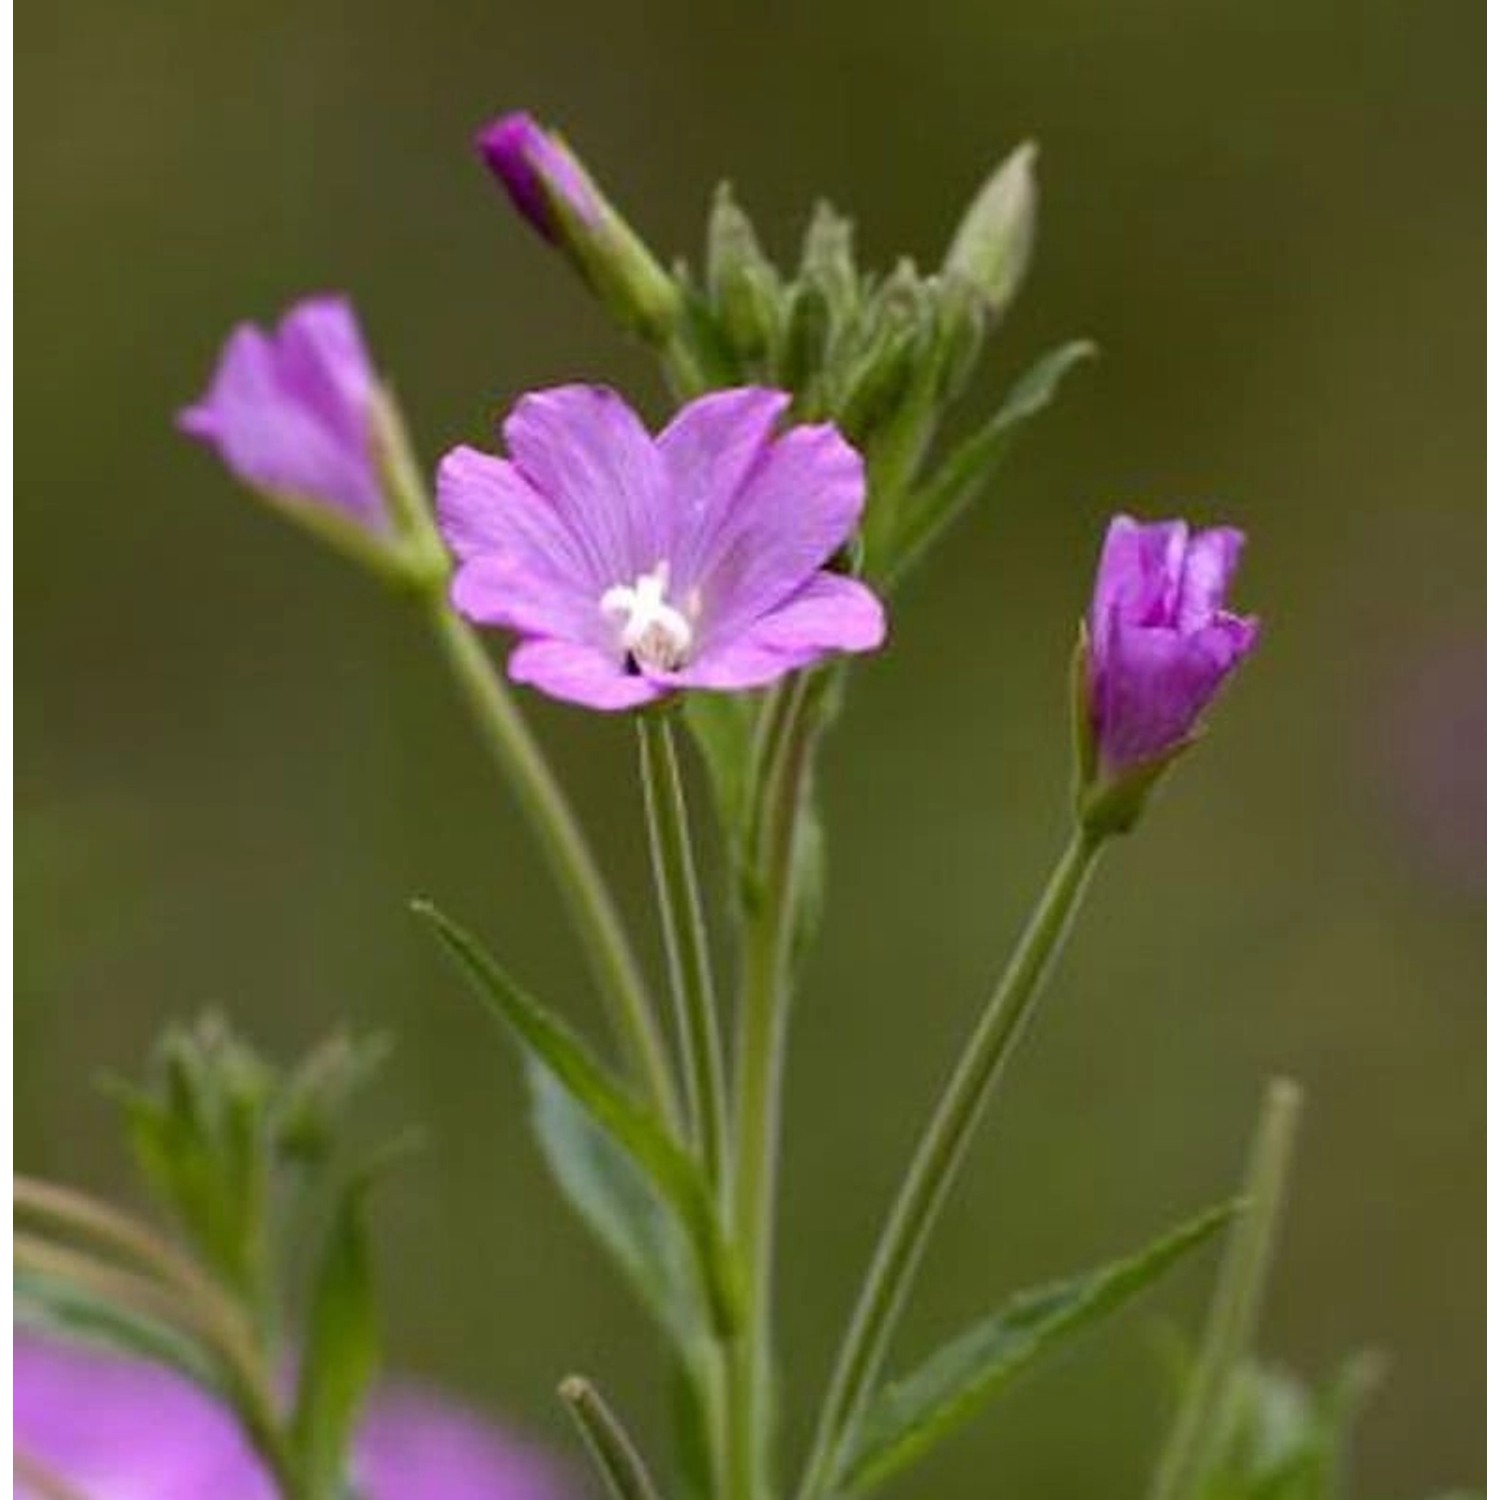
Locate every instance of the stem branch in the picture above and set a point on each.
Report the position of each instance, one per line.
(938, 1157)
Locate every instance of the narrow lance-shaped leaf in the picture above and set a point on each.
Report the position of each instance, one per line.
(625, 1119)
(614, 1198)
(342, 1350)
(939, 501)
(913, 1413)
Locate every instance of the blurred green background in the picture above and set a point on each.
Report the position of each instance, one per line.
(236, 759)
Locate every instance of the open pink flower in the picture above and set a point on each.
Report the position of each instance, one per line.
(633, 566)
(119, 1429)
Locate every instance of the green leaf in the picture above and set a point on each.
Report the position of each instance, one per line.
(342, 1349)
(61, 1308)
(911, 1414)
(612, 1196)
(619, 1114)
(1285, 1440)
(723, 727)
(958, 482)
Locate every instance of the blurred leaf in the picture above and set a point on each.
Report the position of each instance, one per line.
(1285, 1441)
(313, 1104)
(743, 286)
(911, 1414)
(959, 481)
(609, 1193)
(614, 1199)
(809, 877)
(341, 1350)
(622, 1117)
(198, 1130)
(57, 1307)
(723, 727)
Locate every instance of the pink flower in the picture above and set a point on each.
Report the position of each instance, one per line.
(633, 566)
(119, 1429)
(292, 412)
(1161, 643)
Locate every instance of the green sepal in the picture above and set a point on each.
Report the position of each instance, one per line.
(1085, 738)
(913, 1413)
(674, 1174)
(1113, 804)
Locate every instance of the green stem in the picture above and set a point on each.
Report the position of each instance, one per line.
(764, 1002)
(686, 938)
(622, 1468)
(937, 1160)
(1198, 1432)
(593, 912)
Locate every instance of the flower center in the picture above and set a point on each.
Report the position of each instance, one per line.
(652, 632)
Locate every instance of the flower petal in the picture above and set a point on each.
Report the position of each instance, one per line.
(326, 367)
(496, 589)
(580, 674)
(708, 450)
(586, 452)
(1140, 571)
(291, 414)
(797, 506)
(112, 1426)
(1157, 684)
(1207, 572)
(415, 1445)
(830, 614)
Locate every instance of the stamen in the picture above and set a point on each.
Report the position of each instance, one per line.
(652, 632)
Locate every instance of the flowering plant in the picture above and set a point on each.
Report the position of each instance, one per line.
(717, 578)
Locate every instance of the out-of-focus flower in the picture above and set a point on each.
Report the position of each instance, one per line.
(538, 172)
(117, 1429)
(1160, 643)
(294, 413)
(634, 566)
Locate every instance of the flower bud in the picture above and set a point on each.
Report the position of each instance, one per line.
(292, 414)
(992, 247)
(1157, 647)
(553, 192)
(743, 285)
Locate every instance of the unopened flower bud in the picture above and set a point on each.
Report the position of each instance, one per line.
(992, 247)
(1158, 646)
(553, 192)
